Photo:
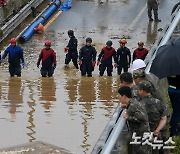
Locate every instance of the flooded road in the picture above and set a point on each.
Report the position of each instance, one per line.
(68, 110)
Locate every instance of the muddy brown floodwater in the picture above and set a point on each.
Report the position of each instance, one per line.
(68, 110)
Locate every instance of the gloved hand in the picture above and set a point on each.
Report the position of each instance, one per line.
(2, 60)
(98, 62)
(66, 49)
(115, 65)
(23, 65)
(80, 62)
(38, 65)
(54, 66)
(93, 64)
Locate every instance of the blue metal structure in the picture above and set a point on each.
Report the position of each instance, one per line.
(44, 16)
(66, 5)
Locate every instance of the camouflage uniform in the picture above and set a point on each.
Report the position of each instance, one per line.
(134, 90)
(138, 122)
(155, 110)
(156, 93)
(152, 5)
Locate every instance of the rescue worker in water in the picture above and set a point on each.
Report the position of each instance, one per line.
(87, 58)
(48, 57)
(105, 58)
(16, 57)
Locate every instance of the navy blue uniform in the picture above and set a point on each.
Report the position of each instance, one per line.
(72, 52)
(87, 55)
(123, 59)
(15, 57)
(174, 94)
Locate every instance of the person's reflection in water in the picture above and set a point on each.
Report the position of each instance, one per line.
(87, 97)
(152, 31)
(106, 94)
(48, 93)
(15, 96)
(31, 125)
(71, 85)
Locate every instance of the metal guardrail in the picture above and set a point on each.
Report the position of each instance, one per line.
(166, 36)
(108, 147)
(18, 18)
(103, 140)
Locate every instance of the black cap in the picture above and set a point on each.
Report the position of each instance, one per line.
(70, 32)
(88, 39)
(109, 43)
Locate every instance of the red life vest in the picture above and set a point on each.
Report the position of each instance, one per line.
(141, 53)
(107, 53)
(47, 53)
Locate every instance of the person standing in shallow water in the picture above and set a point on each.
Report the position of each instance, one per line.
(153, 5)
(87, 58)
(140, 52)
(123, 56)
(16, 57)
(48, 57)
(71, 49)
(105, 57)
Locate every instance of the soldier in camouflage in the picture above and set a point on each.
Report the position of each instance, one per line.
(126, 79)
(156, 111)
(138, 76)
(153, 5)
(136, 116)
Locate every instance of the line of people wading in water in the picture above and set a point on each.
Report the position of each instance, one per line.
(85, 60)
(148, 112)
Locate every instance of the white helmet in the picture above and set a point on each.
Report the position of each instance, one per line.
(137, 64)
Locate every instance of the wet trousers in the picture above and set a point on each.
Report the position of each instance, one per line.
(120, 67)
(103, 67)
(152, 6)
(72, 56)
(15, 69)
(86, 68)
(47, 71)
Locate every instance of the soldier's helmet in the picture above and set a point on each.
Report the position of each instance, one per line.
(138, 73)
(145, 85)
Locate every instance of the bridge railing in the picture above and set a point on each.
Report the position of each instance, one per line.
(109, 138)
